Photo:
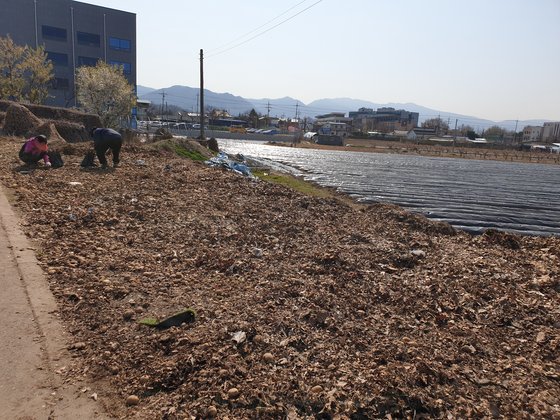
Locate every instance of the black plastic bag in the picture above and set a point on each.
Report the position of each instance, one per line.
(89, 160)
(56, 159)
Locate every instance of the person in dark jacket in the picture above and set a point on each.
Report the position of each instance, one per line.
(103, 140)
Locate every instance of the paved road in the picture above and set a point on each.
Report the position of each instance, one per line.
(32, 341)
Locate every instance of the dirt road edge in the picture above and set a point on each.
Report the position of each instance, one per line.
(71, 396)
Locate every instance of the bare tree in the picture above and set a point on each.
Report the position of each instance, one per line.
(436, 123)
(495, 132)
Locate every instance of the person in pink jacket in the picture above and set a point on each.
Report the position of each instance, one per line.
(34, 149)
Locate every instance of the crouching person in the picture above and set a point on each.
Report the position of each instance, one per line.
(34, 149)
(103, 140)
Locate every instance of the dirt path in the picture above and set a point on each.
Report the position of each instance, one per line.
(25, 382)
(34, 368)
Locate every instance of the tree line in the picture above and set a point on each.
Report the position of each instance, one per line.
(442, 128)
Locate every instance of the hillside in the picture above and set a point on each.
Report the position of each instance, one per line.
(142, 90)
(186, 98)
(305, 307)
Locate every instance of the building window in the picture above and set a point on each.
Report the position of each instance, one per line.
(53, 33)
(119, 44)
(60, 83)
(58, 59)
(125, 66)
(84, 38)
(87, 61)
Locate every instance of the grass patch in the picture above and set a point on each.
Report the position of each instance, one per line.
(189, 154)
(294, 183)
(188, 149)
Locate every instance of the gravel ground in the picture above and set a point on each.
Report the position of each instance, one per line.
(305, 307)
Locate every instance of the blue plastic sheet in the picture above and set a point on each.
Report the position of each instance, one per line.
(222, 160)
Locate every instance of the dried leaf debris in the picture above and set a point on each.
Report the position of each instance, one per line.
(306, 307)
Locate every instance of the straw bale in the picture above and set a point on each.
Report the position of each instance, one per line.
(4, 105)
(19, 120)
(91, 121)
(72, 132)
(54, 138)
(56, 113)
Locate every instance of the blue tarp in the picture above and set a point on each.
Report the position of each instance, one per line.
(222, 160)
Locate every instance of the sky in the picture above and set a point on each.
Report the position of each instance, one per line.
(494, 59)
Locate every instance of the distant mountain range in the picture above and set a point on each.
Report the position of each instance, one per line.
(187, 98)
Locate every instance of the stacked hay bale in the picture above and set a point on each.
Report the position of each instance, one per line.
(26, 120)
(48, 129)
(88, 121)
(72, 132)
(20, 121)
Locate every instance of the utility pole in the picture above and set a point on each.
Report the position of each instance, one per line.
(297, 110)
(162, 102)
(455, 133)
(515, 131)
(36, 26)
(268, 114)
(202, 136)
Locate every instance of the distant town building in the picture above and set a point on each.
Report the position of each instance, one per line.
(74, 34)
(220, 113)
(267, 122)
(532, 133)
(421, 133)
(383, 119)
(337, 117)
(290, 125)
(400, 133)
(551, 132)
(334, 123)
(333, 129)
(142, 106)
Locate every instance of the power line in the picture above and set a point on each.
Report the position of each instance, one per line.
(265, 31)
(256, 29)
